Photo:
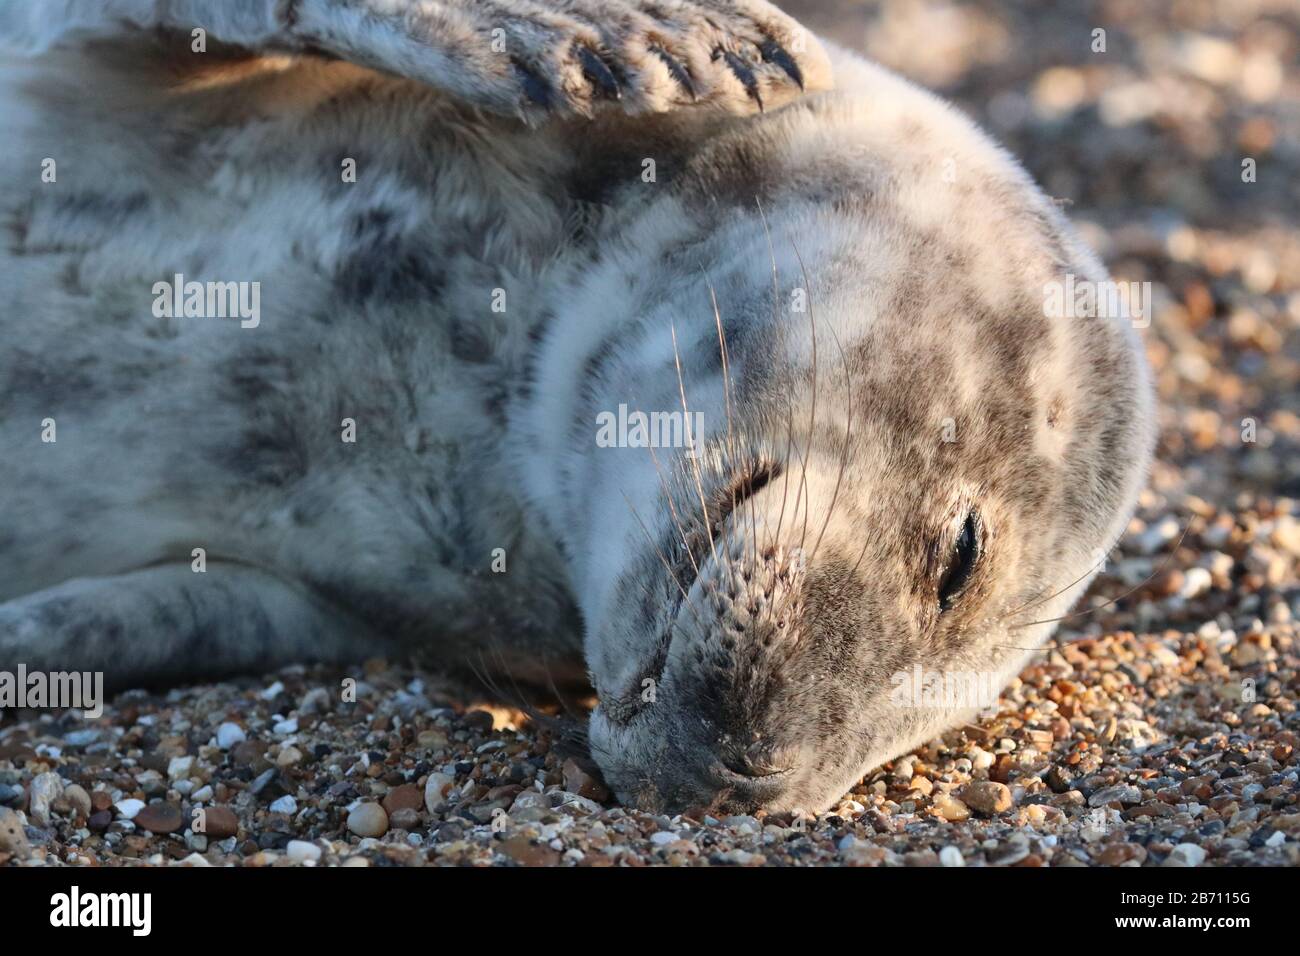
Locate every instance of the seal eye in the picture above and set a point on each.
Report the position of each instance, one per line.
(961, 565)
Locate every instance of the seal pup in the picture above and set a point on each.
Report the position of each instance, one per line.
(875, 449)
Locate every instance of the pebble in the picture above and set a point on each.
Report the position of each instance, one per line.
(434, 788)
(1123, 794)
(179, 768)
(13, 838)
(987, 797)
(300, 851)
(46, 788)
(951, 809)
(407, 796)
(128, 809)
(79, 799)
(286, 805)
(220, 823)
(663, 838)
(1185, 854)
(578, 780)
(404, 818)
(160, 818)
(368, 820)
(951, 856)
(229, 734)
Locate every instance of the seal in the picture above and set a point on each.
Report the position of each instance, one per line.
(657, 344)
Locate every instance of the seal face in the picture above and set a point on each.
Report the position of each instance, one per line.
(910, 466)
(773, 409)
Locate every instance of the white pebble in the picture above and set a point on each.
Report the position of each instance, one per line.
(302, 851)
(178, 768)
(285, 727)
(127, 809)
(433, 788)
(663, 838)
(229, 734)
(1196, 581)
(951, 856)
(285, 804)
(1186, 854)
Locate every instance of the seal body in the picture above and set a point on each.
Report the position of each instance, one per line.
(418, 424)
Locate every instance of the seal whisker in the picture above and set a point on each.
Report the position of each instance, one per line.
(672, 509)
(848, 429)
(686, 600)
(699, 483)
(1105, 604)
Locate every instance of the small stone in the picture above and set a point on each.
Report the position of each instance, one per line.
(219, 823)
(101, 800)
(178, 768)
(99, 821)
(1122, 794)
(951, 809)
(285, 727)
(407, 796)
(434, 788)
(81, 738)
(46, 788)
(286, 804)
(432, 739)
(988, 797)
(228, 735)
(404, 818)
(578, 780)
(13, 839)
(1185, 854)
(1119, 854)
(289, 757)
(78, 799)
(951, 856)
(368, 820)
(250, 753)
(128, 809)
(300, 851)
(527, 853)
(160, 818)
(663, 838)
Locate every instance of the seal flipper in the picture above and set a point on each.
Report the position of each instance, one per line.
(170, 623)
(530, 60)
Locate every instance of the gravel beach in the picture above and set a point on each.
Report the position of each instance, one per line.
(1161, 728)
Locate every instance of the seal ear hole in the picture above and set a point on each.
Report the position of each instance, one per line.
(962, 561)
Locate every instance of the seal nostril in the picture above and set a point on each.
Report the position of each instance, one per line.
(755, 763)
